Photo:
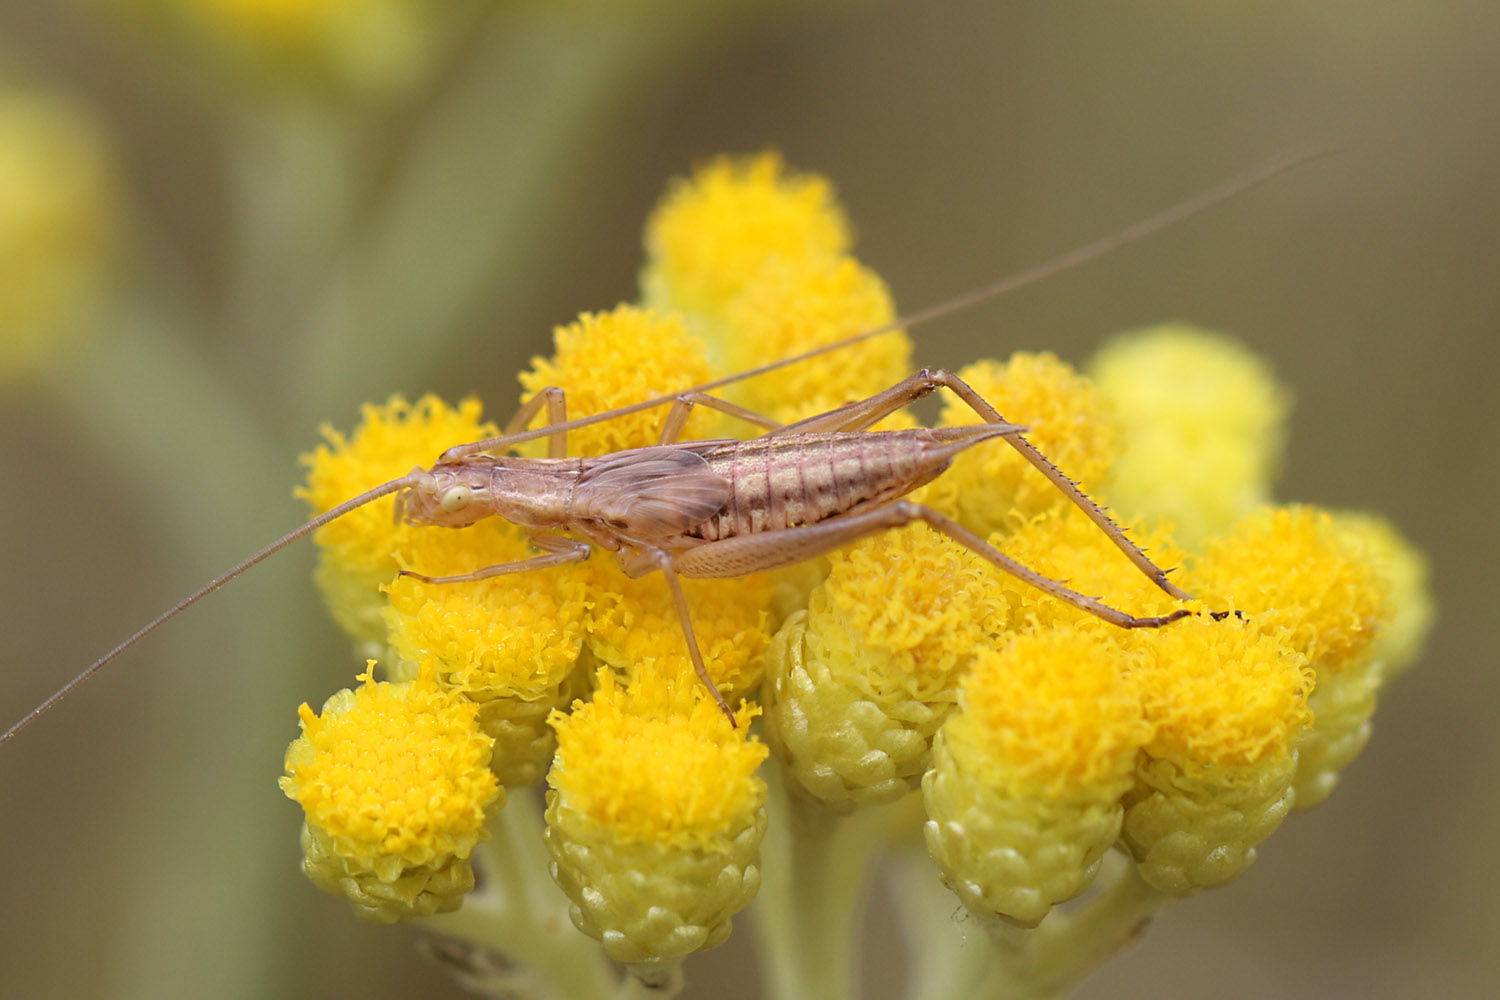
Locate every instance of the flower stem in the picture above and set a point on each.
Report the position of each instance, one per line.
(814, 870)
(519, 914)
(1044, 963)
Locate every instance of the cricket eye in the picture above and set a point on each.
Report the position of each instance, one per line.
(456, 498)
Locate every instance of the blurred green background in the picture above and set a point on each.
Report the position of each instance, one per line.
(146, 849)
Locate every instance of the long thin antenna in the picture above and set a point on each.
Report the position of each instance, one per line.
(1287, 159)
(202, 592)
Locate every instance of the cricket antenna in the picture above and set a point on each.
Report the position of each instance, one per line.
(1282, 162)
(202, 592)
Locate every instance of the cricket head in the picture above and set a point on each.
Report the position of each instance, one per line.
(450, 494)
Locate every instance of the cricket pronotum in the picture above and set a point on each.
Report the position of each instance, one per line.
(687, 508)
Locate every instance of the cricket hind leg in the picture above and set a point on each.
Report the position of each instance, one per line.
(865, 412)
(773, 549)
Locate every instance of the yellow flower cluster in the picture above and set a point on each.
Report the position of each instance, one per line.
(1040, 735)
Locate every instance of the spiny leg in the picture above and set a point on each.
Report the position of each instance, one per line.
(682, 409)
(865, 412)
(768, 550)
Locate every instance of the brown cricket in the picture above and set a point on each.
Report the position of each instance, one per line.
(725, 508)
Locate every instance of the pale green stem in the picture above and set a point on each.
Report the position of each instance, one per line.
(814, 868)
(947, 952)
(663, 981)
(1046, 962)
(519, 913)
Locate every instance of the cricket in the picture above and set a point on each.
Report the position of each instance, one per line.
(725, 507)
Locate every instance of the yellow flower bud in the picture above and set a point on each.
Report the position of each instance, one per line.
(608, 359)
(357, 552)
(1024, 791)
(857, 686)
(713, 233)
(655, 817)
(395, 783)
(1202, 423)
(991, 487)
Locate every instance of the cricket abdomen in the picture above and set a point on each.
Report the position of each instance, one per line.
(786, 481)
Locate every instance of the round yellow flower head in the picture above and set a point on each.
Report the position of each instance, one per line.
(1407, 575)
(991, 487)
(1203, 423)
(510, 643)
(1228, 700)
(1024, 791)
(357, 552)
(634, 626)
(395, 783)
(857, 685)
(1291, 568)
(655, 816)
(1223, 694)
(793, 307)
(714, 232)
(1323, 582)
(604, 360)
(58, 214)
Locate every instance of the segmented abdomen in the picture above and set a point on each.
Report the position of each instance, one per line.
(782, 482)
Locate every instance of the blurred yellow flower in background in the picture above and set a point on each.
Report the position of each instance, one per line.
(59, 216)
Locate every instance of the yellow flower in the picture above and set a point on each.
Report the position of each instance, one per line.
(991, 487)
(1291, 569)
(1228, 702)
(634, 626)
(509, 643)
(396, 787)
(712, 234)
(58, 215)
(1202, 427)
(789, 308)
(858, 684)
(609, 359)
(1406, 573)
(655, 817)
(357, 552)
(1024, 791)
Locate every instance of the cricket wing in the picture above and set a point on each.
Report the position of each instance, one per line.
(651, 493)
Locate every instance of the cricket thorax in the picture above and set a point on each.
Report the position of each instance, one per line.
(531, 493)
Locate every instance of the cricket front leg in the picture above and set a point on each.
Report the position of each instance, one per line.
(560, 552)
(774, 549)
